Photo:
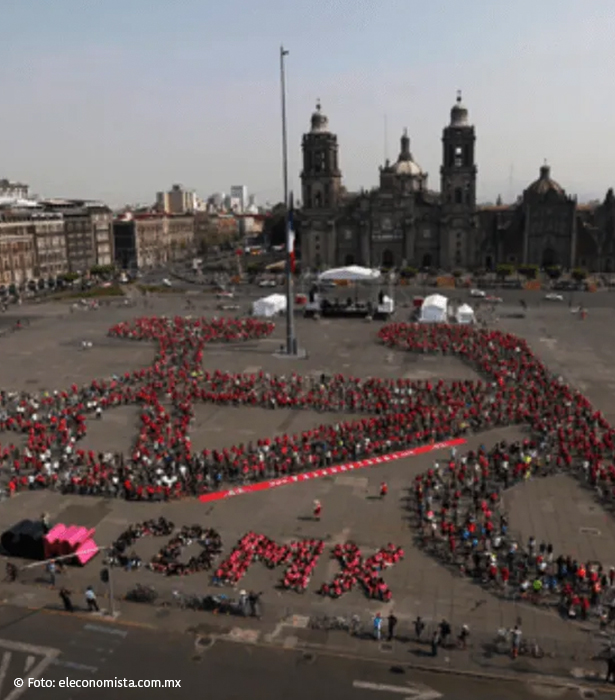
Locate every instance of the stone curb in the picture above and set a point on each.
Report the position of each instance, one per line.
(549, 681)
(331, 650)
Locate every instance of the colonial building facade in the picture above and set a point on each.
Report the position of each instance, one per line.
(151, 239)
(404, 223)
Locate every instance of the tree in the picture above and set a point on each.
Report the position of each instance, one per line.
(504, 271)
(528, 271)
(579, 274)
(457, 274)
(554, 272)
(102, 270)
(69, 276)
(274, 229)
(408, 272)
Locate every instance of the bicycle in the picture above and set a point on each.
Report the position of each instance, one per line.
(142, 594)
(532, 649)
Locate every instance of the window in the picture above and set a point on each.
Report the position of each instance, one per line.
(458, 156)
(458, 195)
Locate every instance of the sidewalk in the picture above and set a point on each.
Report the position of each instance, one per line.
(563, 663)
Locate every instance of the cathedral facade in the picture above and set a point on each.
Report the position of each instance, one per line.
(403, 223)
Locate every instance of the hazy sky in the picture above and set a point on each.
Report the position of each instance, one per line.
(118, 99)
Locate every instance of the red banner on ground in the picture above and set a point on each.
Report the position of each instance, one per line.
(328, 471)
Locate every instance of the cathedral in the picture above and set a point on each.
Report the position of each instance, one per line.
(402, 223)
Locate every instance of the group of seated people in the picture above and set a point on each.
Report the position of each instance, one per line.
(167, 561)
(299, 558)
(365, 572)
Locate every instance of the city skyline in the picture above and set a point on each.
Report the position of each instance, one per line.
(114, 102)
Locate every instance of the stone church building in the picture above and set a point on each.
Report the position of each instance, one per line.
(404, 223)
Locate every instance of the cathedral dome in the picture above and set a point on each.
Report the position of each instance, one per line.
(545, 184)
(459, 113)
(320, 123)
(405, 164)
(407, 167)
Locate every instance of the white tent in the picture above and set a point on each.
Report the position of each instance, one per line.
(434, 309)
(465, 314)
(352, 273)
(269, 306)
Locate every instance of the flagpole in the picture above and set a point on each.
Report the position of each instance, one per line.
(291, 344)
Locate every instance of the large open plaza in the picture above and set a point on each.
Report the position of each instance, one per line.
(48, 355)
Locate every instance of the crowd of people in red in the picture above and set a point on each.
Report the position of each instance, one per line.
(400, 413)
(366, 572)
(457, 503)
(299, 559)
(162, 465)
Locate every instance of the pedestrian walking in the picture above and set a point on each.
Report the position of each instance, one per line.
(515, 641)
(254, 604)
(317, 510)
(11, 572)
(243, 602)
(384, 489)
(435, 642)
(610, 669)
(419, 627)
(391, 624)
(68, 603)
(51, 571)
(463, 636)
(378, 626)
(90, 599)
(445, 631)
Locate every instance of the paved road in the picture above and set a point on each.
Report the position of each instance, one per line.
(58, 648)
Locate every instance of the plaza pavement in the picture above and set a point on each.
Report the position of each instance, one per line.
(47, 354)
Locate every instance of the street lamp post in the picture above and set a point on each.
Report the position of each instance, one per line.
(291, 343)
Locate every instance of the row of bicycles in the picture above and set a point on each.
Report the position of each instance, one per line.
(218, 604)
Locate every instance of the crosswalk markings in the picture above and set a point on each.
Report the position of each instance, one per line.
(106, 630)
(74, 666)
(36, 660)
(4, 667)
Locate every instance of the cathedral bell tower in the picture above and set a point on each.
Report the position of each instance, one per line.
(321, 178)
(321, 185)
(458, 186)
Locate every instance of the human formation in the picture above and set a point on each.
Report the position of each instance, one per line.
(464, 512)
(457, 503)
(365, 572)
(163, 464)
(298, 559)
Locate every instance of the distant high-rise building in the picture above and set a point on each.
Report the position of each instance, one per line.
(15, 190)
(176, 201)
(239, 197)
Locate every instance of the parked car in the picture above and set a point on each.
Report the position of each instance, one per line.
(478, 293)
(167, 282)
(494, 300)
(225, 295)
(554, 297)
(267, 283)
